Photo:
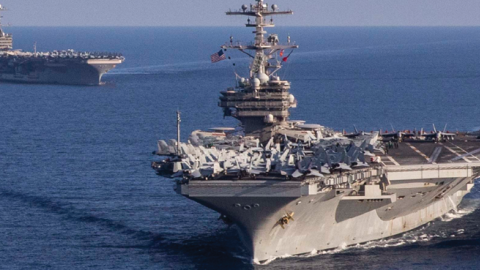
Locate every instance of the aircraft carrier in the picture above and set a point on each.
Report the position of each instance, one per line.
(293, 188)
(57, 67)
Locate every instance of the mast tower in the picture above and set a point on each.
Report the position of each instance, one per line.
(263, 99)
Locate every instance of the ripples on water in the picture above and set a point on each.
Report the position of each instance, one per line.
(77, 189)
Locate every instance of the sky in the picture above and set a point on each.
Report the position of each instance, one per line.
(211, 12)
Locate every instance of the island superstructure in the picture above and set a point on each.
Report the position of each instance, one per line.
(264, 96)
(6, 40)
(56, 67)
(293, 188)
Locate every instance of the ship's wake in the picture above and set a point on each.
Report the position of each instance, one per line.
(175, 68)
(158, 69)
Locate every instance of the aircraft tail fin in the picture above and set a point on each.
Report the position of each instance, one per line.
(445, 128)
(356, 130)
(434, 129)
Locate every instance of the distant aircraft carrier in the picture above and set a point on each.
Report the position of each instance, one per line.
(57, 67)
(293, 188)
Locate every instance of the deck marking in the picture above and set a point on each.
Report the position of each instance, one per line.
(393, 161)
(435, 155)
(418, 151)
(451, 150)
(469, 155)
(385, 161)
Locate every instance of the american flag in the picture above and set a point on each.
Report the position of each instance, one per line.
(219, 56)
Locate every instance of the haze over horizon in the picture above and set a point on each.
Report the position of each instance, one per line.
(212, 12)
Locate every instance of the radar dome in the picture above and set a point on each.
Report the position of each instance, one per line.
(269, 119)
(241, 81)
(291, 99)
(244, 7)
(263, 78)
(274, 7)
(256, 82)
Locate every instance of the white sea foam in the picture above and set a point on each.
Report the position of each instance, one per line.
(469, 208)
(241, 257)
(272, 259)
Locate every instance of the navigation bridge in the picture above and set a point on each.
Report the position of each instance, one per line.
(257, 105)
(6, 41)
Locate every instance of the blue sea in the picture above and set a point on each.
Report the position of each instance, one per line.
(77, 190)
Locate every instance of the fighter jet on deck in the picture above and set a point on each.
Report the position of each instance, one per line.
(439, 135)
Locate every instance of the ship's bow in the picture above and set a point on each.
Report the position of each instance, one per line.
(100, 67)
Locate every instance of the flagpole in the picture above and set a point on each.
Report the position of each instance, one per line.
(232, 63)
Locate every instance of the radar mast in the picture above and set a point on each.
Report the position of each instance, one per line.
(265, 50)
(2, 8)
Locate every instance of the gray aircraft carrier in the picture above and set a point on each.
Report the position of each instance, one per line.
(293, 188)
(57, 67)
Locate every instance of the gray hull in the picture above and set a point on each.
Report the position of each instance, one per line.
(89, 72)
(327, 219)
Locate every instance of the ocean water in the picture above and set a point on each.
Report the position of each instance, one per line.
(77, 190)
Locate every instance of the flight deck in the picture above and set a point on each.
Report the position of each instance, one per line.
(464, 149)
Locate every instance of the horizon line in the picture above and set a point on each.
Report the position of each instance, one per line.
(235, 26)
